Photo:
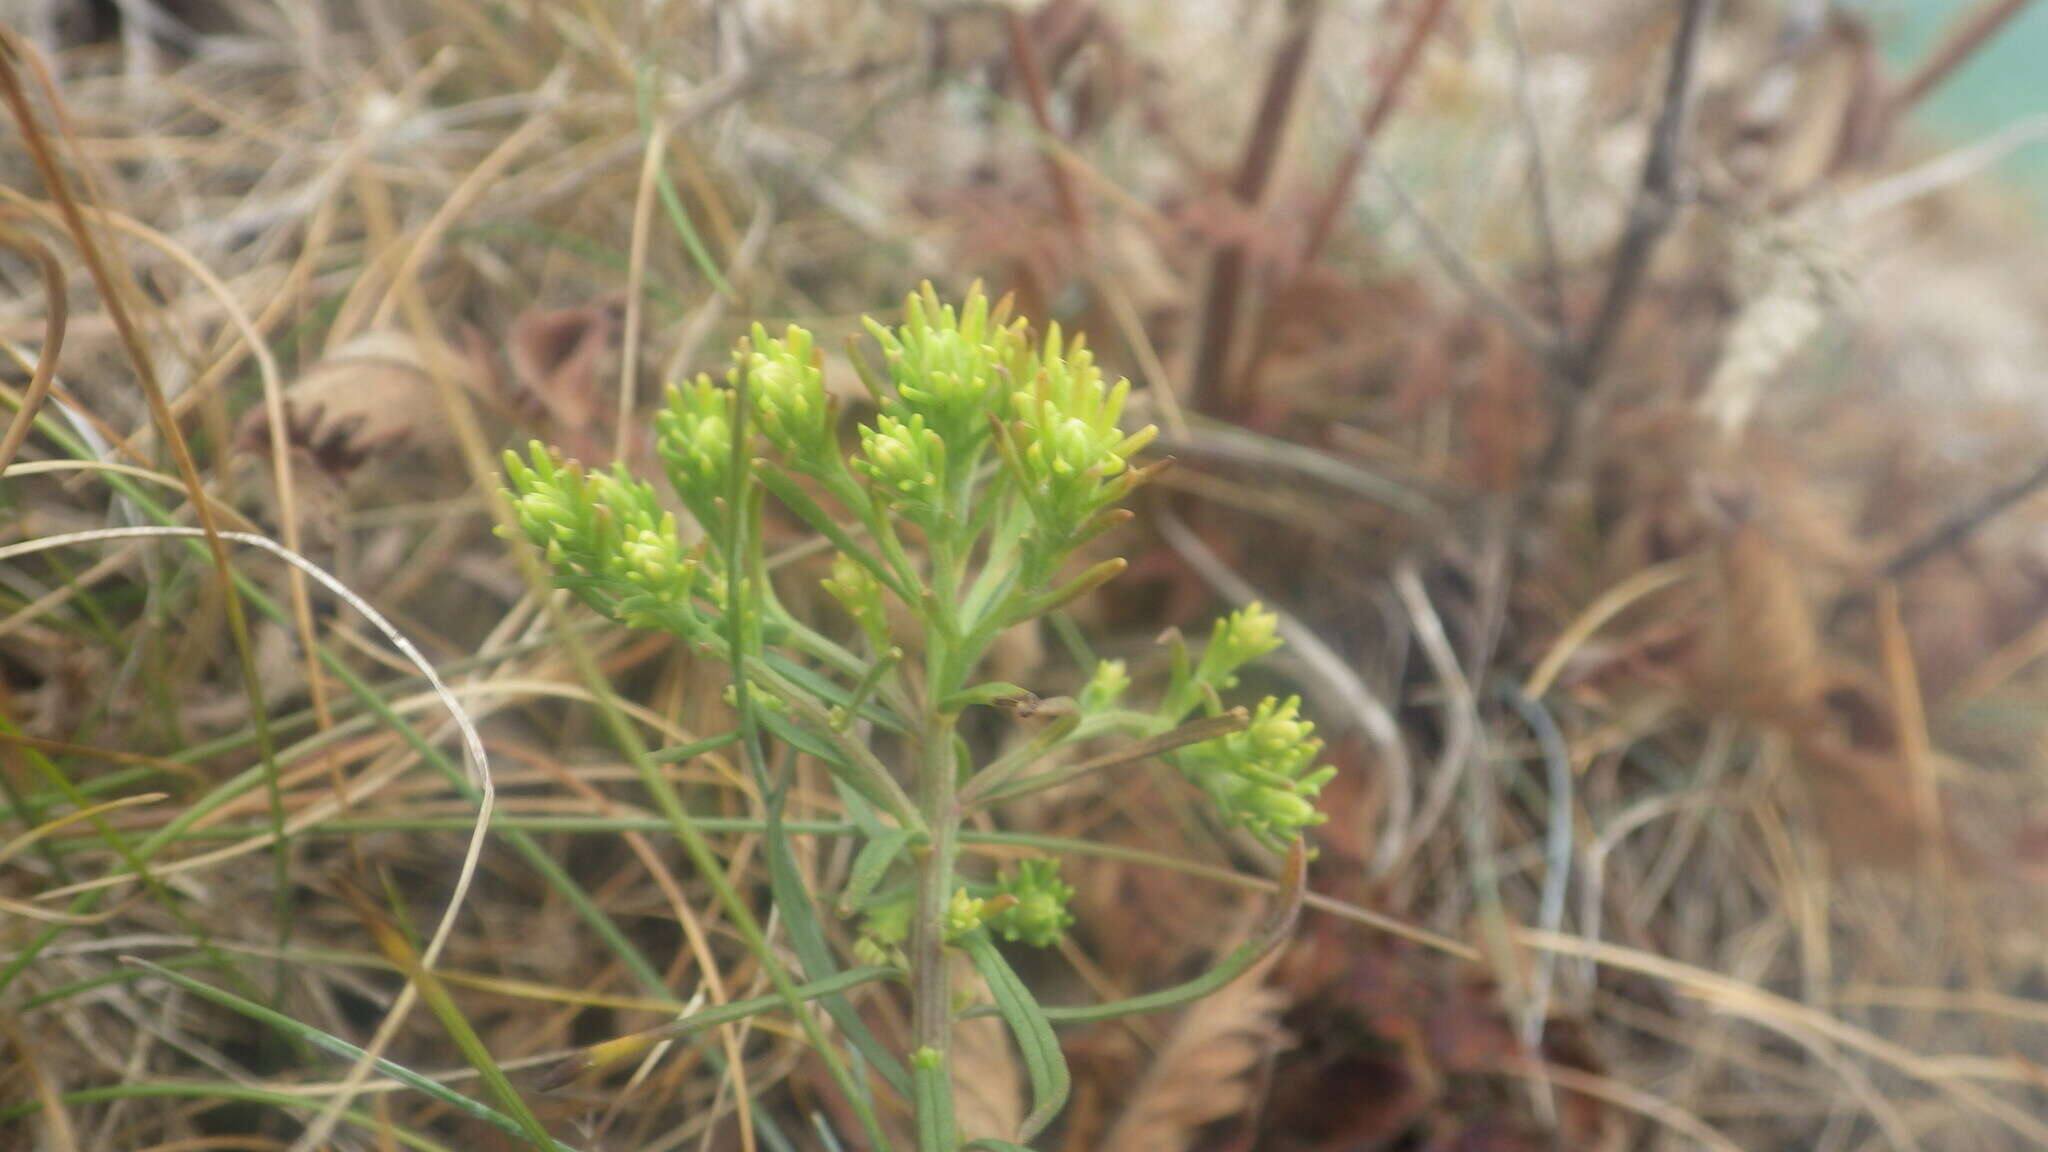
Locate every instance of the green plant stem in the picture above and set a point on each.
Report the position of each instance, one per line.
(931, 1006)
(743, 545)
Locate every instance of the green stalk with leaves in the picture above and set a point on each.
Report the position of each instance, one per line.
(956, 512)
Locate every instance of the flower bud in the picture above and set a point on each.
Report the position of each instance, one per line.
(1039, 914)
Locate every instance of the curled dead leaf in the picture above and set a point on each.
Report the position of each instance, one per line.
(367, 398)
(558, 357)
(1762, 653)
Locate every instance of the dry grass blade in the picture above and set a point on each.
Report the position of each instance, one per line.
(55, 309)
(62, 1135)
(218, 212)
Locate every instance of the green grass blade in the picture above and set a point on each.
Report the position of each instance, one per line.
(400, 952)
(672, 202)
(285, 1025)
(211, 1090)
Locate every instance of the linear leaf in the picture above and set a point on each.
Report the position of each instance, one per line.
(1043, 1061)
(287, 1026)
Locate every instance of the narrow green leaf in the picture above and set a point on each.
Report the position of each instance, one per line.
(812, 513)
(672, 202)
(813, 952)
(1293, 887)
(285, 1025)
(1044, 1063)
(609, 1053)
(399, 951)
(870, 866)
(221, 1090)
(694, 749)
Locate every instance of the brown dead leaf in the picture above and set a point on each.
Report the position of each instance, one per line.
(988, 1098)
(1762, 652)
(1207, 1070)
(557, 357)
(367, 398)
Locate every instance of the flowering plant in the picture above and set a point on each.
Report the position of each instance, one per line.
(990, 459)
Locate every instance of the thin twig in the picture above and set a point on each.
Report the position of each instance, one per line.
(1966, 522)
(1223, 289)
(1463, 742)
(1227, 442)
(1370, 121)
(1968, 33)
(1949, 168)
(1324, 217)
(1540, 207)
(1657, 196)
(1519, 324)
(1024, 58)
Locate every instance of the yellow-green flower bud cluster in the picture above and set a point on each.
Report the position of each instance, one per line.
(906, 461)
(1071, 456)
(964, 913)
(1235, 641)
(786, 380)
(1262, 778)
(951, 367)
(606, 536)
(693, 433)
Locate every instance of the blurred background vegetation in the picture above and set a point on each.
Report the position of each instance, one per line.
(1634, 409)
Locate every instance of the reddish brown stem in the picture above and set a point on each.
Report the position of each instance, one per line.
(1024, 58)
(1970, 32)
(1224, 290)
(1324, 217)
(1374, 118)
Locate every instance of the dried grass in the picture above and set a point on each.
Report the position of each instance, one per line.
(1808, 826)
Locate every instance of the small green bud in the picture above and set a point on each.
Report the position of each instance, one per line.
(693, 433)
(1039, 914)
(964, 913)
(906, 463)
(786, 383)
(1106, 686)
(1237, 640)
(857, 591)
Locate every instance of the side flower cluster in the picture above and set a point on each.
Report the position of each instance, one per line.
(1263, 778)
(606, 537)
